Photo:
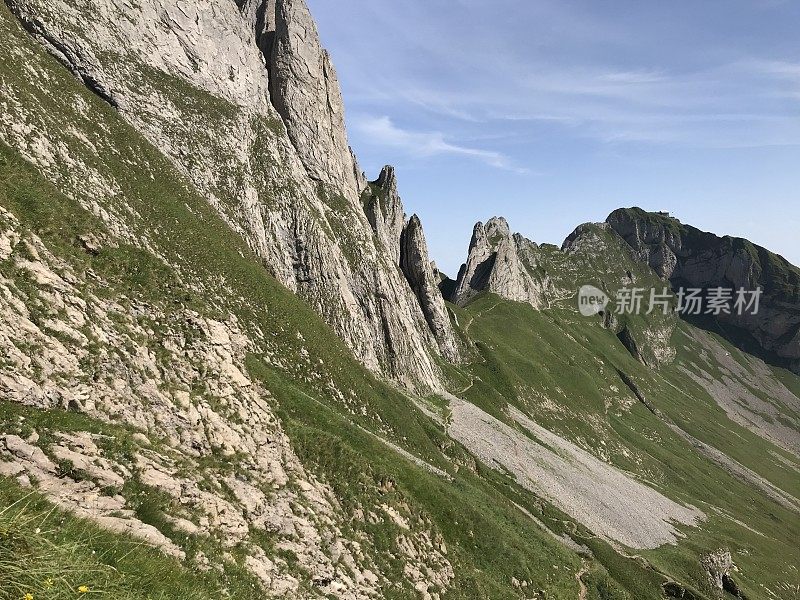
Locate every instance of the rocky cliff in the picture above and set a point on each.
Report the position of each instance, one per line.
(418, 269)
(688, 257)
(404, 242)
(385, 212)
(501, 263)
(245, 102)
(305, 92)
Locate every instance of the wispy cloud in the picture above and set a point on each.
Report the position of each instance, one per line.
(590, 72)
(782, 77)
(735, 104)
(778, 68)
(676, 104)
(381, 130)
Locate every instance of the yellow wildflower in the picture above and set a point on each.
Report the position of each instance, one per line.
(84, 589)
(28, 596)
(48, 583)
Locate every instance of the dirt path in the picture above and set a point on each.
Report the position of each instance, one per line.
(579, 578)
(466, 389)
(401, 451)
(480, 314)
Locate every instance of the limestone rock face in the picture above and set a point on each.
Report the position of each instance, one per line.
(650, 240)
(692, 258)
(416, 266)
(241, 98)
(384, 209)
(305, 91)
(501, 263)
(260, 14)
(404, 242)
(718, 566)
(229, 467)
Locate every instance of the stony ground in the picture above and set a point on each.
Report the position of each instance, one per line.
(778, 419)
(604, 499)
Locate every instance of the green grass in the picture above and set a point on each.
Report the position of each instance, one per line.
(49, 554)
(561, 369)
(489, 540)
(212, 271)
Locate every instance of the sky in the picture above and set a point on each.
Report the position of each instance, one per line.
(553, 113)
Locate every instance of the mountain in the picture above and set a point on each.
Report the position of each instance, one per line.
(229, 370)
(688, 257)
(500, 263)
(245, 103)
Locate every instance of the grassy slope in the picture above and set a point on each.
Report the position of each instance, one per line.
(50, 554)
(562, 368)
(490, 541)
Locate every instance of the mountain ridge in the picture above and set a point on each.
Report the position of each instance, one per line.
(273, 158)
(688, 257)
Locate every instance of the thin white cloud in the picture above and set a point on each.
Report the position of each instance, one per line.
(571, 65)
(784, 76)
(381, 130)
(783, 69)
(731, 105)
(634, 77)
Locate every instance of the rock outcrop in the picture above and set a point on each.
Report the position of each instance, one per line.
(305, 91)
(404, 242)
(229, 473)
(501, 263)
(416, 266)
(155, 380)
(718, 566)
(384, 210)
(243, 100)
(688, 257)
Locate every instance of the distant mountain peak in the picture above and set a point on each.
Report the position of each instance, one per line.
(689, 257)
(502, 263)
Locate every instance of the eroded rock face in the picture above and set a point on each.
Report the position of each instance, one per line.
(501, 263)
(718, 566)
(284, 179)
(404, 242)
(692, 258)
(384, 209)
(306, 93)
(416, 266)
(207, 436)
(260, 14)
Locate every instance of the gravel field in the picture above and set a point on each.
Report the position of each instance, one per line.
(601, 497)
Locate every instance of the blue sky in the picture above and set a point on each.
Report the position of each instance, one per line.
(555, 112)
